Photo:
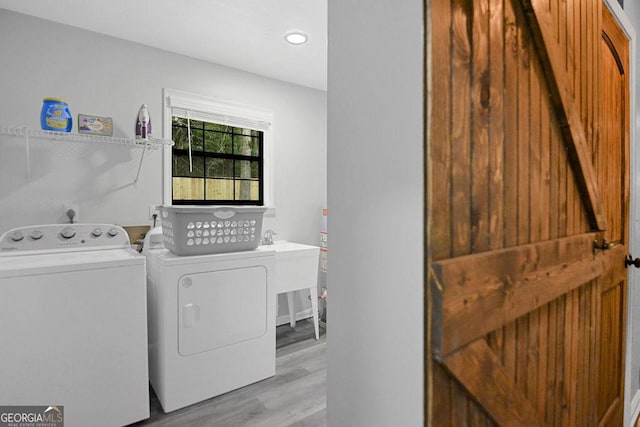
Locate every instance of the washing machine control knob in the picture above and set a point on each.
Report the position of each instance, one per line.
(68, 232)
(113, 232)
(17, 235)
(36, 235)
(96, 232)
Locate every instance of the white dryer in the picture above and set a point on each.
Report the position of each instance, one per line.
(73, 330)
(211, 323)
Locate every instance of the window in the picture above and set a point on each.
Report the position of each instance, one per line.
(231, 155)
(222, 165)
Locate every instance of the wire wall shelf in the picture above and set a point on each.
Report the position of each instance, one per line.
(147, 144)
(25, 131)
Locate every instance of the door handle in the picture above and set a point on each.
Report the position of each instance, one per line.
(630, 261)
(604, 246)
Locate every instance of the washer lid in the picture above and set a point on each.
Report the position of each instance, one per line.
(166, 257)
(21, 265)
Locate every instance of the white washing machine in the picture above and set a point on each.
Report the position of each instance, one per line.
(73, 323)
(211, 323)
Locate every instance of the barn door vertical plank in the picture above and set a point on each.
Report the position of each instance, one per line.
(604, 373)
(535, 221)
(576, 357)
(546, 161)
(480, 91)
(553, 11)
(461, 133)
(439, 405)
(497, 123)
(596, 41)
(562, 28)
(511, 162)
(573, 44)
(573, 17)
(549, 394)
(512, 36)
(573, 207)
(535, 159)
(578, 217)
(524, 211)
(533, 350)
(524, 122)
(554, 181)
(543, 346)
(460, 414)
(593, 53)
(571, 357)
(588, 349)
(583, 356)
(510, 337)
(560, 398)
(592, 350)
(582, 40)
(567, 369)
(522, 353)
(442, 408)
(586, 66)
(594, 333)
(563, 205)
(567, 15)
(441, 130)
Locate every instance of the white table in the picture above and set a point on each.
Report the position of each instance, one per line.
(297, 269)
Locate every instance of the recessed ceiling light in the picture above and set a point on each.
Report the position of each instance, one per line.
(296, 37)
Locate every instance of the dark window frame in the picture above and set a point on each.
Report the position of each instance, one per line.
(214, 155)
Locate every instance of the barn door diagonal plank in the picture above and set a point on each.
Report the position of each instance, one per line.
(567, 112)
(485, 379)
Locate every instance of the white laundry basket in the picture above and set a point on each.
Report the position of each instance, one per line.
(201, 230)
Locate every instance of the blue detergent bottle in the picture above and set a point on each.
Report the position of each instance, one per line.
(55, 115)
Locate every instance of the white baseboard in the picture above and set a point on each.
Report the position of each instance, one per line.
(304, 314)
(635, 407)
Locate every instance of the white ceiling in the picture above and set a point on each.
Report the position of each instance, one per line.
(243, 34)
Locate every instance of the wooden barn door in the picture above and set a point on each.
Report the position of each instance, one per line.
(528, 213)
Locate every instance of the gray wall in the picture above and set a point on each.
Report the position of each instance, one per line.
(375, 187)
(106, 76)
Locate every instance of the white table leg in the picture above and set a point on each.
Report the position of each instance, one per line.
(292, 310)
(314, 307)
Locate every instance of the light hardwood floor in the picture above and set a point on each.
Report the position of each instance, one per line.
(295, 396)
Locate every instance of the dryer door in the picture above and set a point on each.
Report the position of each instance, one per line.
(221, 308)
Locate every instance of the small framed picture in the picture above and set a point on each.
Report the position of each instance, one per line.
(95, 125)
